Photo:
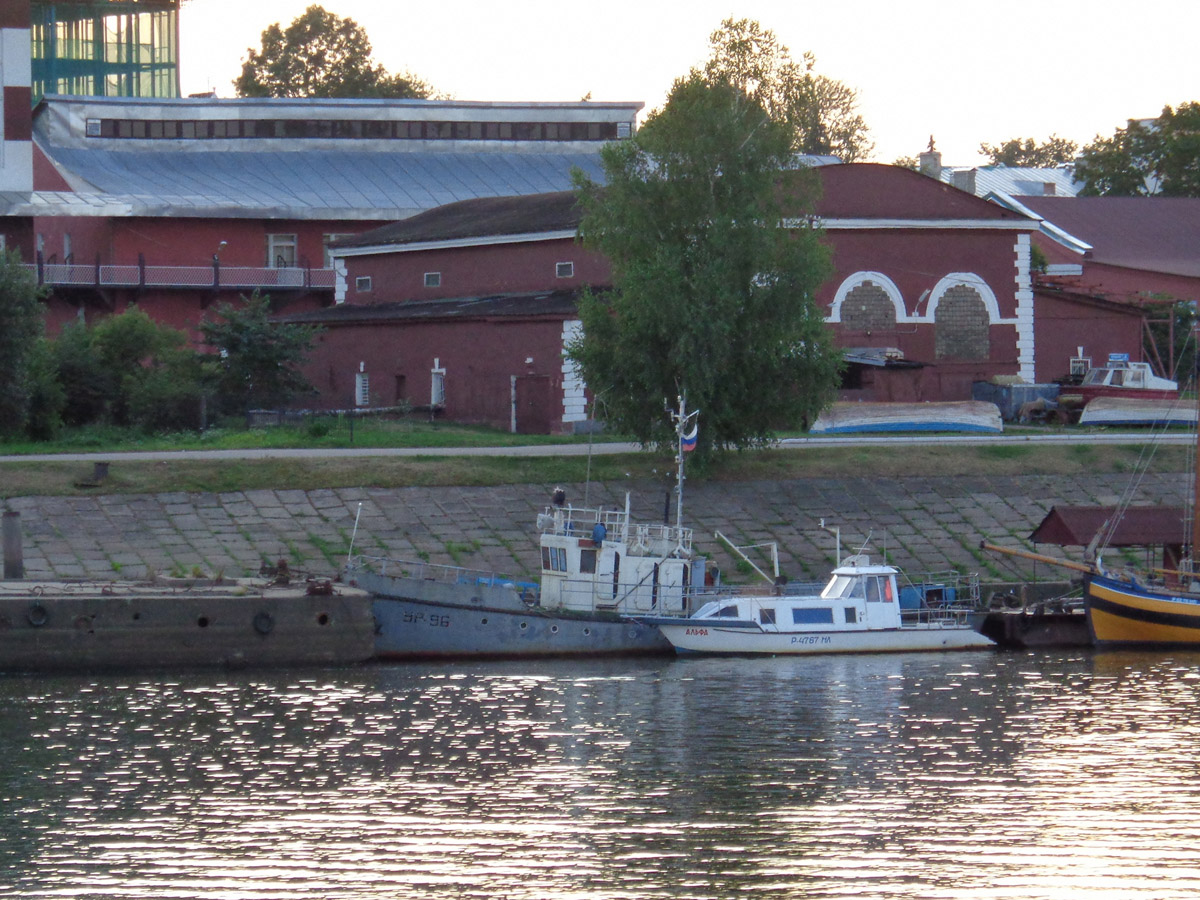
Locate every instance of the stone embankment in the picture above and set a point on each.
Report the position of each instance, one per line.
(922, 524)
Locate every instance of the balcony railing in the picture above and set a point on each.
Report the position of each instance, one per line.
(209, 277)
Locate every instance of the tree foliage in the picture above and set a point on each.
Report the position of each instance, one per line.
(712, 298)
(258, 361)
(1160, 156)
(821, 112)
(320, 55)
(1056, 151)
(21, 322)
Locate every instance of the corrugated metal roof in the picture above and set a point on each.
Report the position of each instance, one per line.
(316, 184)
(1016, 181)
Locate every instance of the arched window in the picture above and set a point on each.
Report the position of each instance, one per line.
(867, 301)
(962, 324)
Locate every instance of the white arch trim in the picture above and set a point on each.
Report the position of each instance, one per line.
(971, 280)
(860, 278)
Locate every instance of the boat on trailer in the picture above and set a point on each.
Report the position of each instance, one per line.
(864, 608)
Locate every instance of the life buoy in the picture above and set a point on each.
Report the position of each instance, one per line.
(264, 622)
(37, 615)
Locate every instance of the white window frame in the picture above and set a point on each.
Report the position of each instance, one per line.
(433, 279)
(362, 284)
(564, 270)
(281, 246)
(362, 389)
(437, 384)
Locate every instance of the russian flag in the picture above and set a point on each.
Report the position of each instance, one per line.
(687, 442)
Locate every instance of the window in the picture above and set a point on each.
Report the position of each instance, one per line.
(362, 389)
(326, 240)
(587, 561)
(362, 284)
(67, 255)
(554, 559)
(564, 270)
(812, 615)
(281, 250)
(766, 617)
(851, 615)
(433, 279)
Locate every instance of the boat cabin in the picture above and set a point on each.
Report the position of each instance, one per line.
(859, 596)
(599, 560)
(1120, 375)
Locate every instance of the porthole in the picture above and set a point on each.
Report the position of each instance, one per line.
(524, 625)
(586, 632)
(554, 629)
(202, 621)
(483, 621)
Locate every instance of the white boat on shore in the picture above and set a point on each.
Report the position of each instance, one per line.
(974, 416)
(864, 608)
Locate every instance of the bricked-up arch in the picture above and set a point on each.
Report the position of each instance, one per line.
(961, 323)
(867, 301)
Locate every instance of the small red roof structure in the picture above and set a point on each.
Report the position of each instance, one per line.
(1077, 526)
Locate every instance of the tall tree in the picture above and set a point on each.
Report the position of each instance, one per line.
(712, 297)
(821, 112)
(320, 55)
(1161, 156)
(258, 361)
(21, 322)
(1056, 151)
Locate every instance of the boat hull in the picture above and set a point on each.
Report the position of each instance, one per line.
(1122, 614)
(51, 627)
(417, 618)
(413, 629)
(696, 638)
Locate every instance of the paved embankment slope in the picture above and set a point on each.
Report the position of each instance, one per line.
(923, 523)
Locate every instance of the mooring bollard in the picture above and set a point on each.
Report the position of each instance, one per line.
(14, 565)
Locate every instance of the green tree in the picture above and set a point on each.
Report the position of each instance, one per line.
(21, 323)
(320, 55)
(130, 348)
(1056, 151)
(1160, 156)
(821, 112)
(257, 364)
(712, 297)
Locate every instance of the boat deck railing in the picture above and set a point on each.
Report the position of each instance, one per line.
(574, 521)
(423, 571)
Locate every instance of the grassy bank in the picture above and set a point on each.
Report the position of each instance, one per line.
(129, 477)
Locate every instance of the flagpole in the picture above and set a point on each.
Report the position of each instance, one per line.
(682, 420)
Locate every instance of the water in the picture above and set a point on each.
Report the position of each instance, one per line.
(975, 775)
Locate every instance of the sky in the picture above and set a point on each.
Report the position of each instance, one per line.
(964, 72)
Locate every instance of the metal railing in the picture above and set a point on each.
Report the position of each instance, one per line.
(208, 277)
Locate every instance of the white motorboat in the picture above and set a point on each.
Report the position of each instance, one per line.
(865, 608)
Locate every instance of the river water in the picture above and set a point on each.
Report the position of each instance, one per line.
(972, 775)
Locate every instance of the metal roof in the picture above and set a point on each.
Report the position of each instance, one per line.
(1076, 526)
(1156, 234)
(318, 184)
(1016, 181)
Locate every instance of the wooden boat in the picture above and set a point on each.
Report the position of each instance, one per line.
(1137, 411)
(976, 416)
(1154, 609)
(864, 608)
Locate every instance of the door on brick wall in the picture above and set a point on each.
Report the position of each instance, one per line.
(532, 404)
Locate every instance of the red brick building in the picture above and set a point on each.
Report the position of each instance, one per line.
(469, 305)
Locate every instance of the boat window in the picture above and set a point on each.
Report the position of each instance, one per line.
(587, 561)
(1118, 378)
(766, 616)
(851, 615)
(728, 612)
(812, 615)
(842, 586)
(554, 559)
(1095, 376)
(872, 586)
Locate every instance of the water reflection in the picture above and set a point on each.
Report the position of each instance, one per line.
(956, 775)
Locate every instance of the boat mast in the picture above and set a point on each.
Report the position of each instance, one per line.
(682, 419)
(1195, 463)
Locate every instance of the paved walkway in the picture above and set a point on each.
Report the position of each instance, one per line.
(921, 523)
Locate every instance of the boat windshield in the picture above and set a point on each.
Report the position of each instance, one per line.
(1096, 376)
(843, 586)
